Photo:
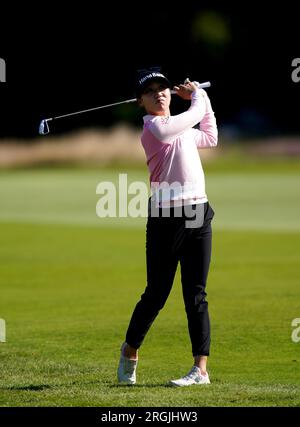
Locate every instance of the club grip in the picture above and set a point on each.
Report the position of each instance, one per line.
(203, 85)
(199, 85)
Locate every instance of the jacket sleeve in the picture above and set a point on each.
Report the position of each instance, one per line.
(207, 134)
(166, 129)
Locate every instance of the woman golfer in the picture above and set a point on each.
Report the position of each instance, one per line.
(179, 218)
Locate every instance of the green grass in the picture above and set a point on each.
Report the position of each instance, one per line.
(70, 280)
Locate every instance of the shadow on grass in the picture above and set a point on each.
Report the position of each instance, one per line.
(30, 387)
(134, 386)
(41, 387)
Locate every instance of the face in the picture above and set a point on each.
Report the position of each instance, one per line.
(156, 99)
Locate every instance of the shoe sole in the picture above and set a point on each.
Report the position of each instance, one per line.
(172, 384)
(125, 383)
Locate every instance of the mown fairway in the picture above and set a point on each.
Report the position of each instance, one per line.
(69, 282)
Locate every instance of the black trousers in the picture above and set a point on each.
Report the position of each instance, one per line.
(168, 241)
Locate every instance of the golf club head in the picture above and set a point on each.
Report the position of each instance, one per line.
(44, 127)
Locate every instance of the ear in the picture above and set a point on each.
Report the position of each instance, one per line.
(140, 102)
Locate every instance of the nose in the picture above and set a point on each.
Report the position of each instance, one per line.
(159, 91)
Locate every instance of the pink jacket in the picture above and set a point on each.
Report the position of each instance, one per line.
(171, 147)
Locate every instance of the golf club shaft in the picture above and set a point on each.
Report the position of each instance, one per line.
(92, 109)
(44, 128)
(200, 85)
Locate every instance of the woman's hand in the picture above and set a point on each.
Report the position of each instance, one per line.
(185, 90)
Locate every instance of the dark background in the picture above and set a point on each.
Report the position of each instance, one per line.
(64, 57)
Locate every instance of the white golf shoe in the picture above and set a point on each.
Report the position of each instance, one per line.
(193, 377)
(126, 369)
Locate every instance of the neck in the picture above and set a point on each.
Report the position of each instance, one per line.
(165, 113)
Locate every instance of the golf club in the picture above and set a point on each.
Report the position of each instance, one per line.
(44, 127)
